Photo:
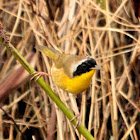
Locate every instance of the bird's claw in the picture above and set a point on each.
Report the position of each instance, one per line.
(38, 74)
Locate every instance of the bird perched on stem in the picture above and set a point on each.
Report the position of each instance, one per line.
(71, 73)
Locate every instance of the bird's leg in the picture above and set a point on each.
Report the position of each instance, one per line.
(39, 74)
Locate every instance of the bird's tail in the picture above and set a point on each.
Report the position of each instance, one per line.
(50, 52)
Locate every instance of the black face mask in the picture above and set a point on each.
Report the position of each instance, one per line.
(85, 67)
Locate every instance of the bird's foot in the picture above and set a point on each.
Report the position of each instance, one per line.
(38, 74)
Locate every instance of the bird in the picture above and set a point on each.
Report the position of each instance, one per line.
(71, 73)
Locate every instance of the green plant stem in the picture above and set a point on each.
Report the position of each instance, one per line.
(49, 91)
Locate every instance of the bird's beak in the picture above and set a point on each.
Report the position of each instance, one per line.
(97, 68)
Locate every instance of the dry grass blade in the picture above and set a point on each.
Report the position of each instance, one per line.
(15, 78)
(128, 131)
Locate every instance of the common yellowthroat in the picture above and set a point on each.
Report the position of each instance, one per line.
(71, 73)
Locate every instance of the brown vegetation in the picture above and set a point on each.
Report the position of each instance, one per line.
(108, 31)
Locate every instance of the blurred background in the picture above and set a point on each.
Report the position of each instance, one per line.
(107, 30)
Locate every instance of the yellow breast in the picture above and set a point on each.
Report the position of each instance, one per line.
(74, 85)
